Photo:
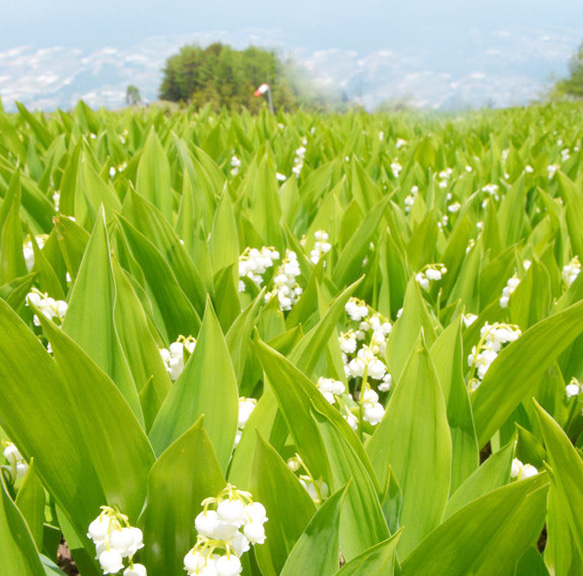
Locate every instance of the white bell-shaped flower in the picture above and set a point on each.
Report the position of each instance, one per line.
(110, 561)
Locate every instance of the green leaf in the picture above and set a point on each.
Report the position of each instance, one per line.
(493, 473)
(178, 313)
(494, 401)
(33, 396)
(206, 386)
(349, 265)
(406, 329)
(184, 475)
(11, 257)
(379, 559)
(485, 537)
(309, 350)
(289, 507)
(567, 471)
(153, 225)
(153, 180)
(421, 457)
(531, 564)
(137, 341)
(90, 316)
(116, 443)
(30, 500)
(448, 359)
(224, 242)
(329, 448)
(316, 553)
(17, 549)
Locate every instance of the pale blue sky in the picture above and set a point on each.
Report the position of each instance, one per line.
(440, 54)
(364, 25)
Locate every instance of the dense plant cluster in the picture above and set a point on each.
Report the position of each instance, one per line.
(226, 77)
(291, 344)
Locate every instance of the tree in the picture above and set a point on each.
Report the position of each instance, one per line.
(222, 76)
(133, 96)
(573, 85)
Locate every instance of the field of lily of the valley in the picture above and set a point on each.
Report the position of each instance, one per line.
(291, 344)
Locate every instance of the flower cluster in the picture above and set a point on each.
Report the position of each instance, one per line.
(49, 307)
(511, 285)
(362, 348)
(246, 406)
(444, 177)
(253, 264)
(507, 291)
(330, 388)
(321, 247)
(285, 285)
(18, 465)
(28, 250)
(228, 525)
(317, 489)
(174, 355)
(115, 540)
(520, 471)
(396, 168)
(410, 198)
(493, 337)
(299, 158)
(235, 165)
(571, 271)
(430, 273)
(492, 190)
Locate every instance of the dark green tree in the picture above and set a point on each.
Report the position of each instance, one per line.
(573, 85)
(225, 77)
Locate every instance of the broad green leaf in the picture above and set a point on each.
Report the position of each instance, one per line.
(178, 313)
(421, 458)
(562, 550)
(90, 316)
(406, 329)
(153, 180)
(116, 443)
(33, 396)
(495, 399)
(485, 537)
(289, 507)
(136, 339)
(30, 500)
(224, 242)
(307, 353)
(11, 257)
(448, 358)
(153, 225)
(531, 564)
(379, 559)
(493, 473)
(184, 475)
(329, 448)
(349, 265)
(316, 552)
(17, 549)
(208, 386)
(567, 471)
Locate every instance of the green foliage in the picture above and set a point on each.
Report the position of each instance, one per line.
(573, 84)
(346, 316)
(222, 76)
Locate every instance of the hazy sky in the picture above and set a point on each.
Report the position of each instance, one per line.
(364, 25)
(445, 53)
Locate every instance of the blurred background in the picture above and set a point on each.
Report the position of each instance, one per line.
(444, 55)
